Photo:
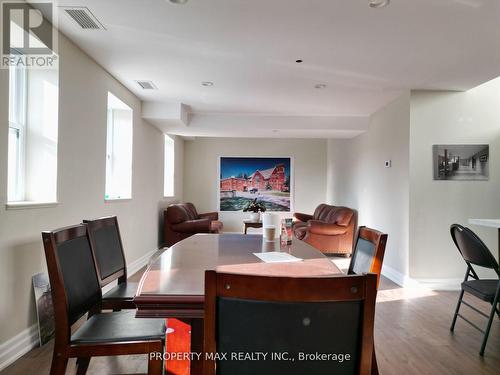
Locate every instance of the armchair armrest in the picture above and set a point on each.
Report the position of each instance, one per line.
(193, 226)
(302, 217)
(320, 227)
(210, 215)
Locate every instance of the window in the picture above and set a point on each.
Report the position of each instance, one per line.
(33, 132)
(168, 184)
(119, 150)
(17, 133)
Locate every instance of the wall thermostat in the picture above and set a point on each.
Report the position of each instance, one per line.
(388, 163)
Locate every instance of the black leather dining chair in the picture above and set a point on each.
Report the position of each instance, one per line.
(475, 253)
(76, 292)
(289, 317)
(368, 254)
(110, 261)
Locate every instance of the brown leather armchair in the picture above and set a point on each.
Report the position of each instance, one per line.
(330, 229)
(181, 220)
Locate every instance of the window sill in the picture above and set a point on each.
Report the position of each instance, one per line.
(117, 200)
(28, 205)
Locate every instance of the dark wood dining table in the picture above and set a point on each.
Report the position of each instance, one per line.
(173, 284)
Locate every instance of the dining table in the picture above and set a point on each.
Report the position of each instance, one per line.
(173, 284)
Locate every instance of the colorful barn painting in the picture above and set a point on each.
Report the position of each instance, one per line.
(244, 178)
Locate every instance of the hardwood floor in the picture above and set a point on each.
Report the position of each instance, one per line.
(411, 333)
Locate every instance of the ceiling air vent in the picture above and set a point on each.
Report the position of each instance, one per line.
(84, 18)
(147, 85)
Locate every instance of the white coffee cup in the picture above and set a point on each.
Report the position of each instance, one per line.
(269, 232)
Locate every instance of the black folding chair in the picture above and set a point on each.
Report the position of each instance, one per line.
(475, 252)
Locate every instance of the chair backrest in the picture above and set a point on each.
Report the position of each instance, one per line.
(472, 249)
(335, 215)
(181, 212)
(107, 248)
(72, 274)
(193, 214)
(251, 314)
(368, 254)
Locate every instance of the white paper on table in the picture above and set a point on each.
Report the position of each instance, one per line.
(277, 257)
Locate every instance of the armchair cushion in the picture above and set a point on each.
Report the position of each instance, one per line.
(176, 213)
(327, 229)
(343, 216)
(193, 226)
(209, 215)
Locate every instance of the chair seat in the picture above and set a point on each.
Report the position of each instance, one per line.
(123, 291)
(118, 327)
(483, 289)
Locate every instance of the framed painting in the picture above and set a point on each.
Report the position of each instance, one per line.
(44, 307)
(461, 162)
(267, 179)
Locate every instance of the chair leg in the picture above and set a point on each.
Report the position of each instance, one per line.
(163, 364)
(59, 364)
(155, 366)
(452, 328)
(82, 364)
(490, 320)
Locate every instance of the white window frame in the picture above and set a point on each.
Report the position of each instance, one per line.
(110, 145)
(169, 166)
(18, 93)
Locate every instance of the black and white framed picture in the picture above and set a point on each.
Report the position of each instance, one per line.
(461, 162)
(44, 307)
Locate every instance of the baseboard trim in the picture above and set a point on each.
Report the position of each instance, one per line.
(440, 284)
(23, 342)
(405, 281)
(17, 346)
(394, 275)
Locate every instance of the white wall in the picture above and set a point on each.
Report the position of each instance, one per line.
(201, 177)
(359, 179)
(450, 118)
(81, 177)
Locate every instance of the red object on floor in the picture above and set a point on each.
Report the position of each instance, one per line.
(178, 342)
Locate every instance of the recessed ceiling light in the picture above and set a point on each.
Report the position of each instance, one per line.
(320, 86)
(299, 61)
(207, 83)
(179, 1)
(379, 3)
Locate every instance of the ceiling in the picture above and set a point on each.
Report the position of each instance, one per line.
(366, 57)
